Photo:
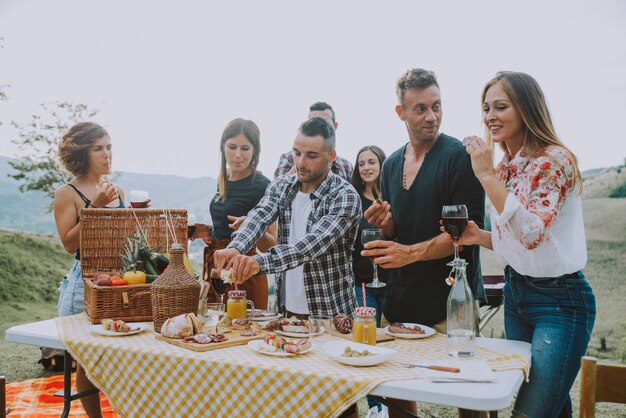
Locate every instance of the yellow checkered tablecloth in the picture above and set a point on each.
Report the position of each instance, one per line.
(143, 377)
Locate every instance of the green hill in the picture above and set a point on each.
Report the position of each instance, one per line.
(31, 267)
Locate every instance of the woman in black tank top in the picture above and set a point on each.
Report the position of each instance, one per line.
(84, 151)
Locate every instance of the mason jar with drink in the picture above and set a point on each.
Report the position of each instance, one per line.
(237, 305)
(364, 325)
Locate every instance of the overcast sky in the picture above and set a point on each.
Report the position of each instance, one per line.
(168, 76)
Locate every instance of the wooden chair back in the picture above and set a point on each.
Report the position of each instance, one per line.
(3, 397)
(600, 383)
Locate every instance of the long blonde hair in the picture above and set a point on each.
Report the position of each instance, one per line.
(529, 100)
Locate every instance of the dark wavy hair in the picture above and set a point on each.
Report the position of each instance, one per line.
(75, 144)
(236, 127)
(357, 181)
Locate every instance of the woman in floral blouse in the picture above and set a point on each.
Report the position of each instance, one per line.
(538, 234)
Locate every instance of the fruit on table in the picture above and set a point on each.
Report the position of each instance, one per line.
(118, 281)
(135, 277)
(103, 281)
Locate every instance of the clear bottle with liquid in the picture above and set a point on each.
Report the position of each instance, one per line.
(461, 315)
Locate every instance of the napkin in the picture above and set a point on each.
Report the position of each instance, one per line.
(476, 370)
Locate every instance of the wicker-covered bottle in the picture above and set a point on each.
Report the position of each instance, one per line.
(174, 292)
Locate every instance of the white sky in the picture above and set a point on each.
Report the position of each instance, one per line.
(168, 76)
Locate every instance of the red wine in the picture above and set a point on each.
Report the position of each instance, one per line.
(219, 286)
(455, 226)
(139, 204)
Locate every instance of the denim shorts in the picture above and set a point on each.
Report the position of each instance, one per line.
(71, 292)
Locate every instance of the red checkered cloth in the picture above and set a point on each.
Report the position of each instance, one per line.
(35, 398)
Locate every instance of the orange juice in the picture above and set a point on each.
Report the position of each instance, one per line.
(236, 308)
(364, 332)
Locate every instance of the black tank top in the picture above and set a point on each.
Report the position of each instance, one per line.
(87, 203)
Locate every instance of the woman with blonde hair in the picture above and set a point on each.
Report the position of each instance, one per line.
(538, 235)
(86, 152)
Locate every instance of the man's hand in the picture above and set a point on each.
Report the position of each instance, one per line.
(244, 267)
(224, 259)
(378, 215)
(388, 254)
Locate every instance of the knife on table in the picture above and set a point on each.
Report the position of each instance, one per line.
(438, 368)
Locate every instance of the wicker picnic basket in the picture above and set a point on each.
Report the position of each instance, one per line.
(174, 292)
(101, 243)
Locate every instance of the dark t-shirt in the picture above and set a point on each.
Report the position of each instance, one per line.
(418, 292)
(362, 266)
(243, 195)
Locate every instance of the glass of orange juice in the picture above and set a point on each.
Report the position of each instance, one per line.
(364, 325)
(237, 305)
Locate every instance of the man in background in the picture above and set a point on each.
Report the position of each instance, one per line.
(341, 166)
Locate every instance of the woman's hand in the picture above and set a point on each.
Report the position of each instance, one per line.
(236, 221)
(105, 193)
(480, 153)
(471, 235)
(203, 231)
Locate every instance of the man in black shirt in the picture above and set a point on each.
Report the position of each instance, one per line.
(431, 171)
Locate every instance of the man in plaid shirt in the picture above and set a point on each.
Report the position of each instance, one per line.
(341, 166)
(318, 216)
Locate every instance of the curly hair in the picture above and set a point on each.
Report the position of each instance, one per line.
(74, 147)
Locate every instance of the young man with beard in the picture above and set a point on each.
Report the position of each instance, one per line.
(430, 171)
(318, 216)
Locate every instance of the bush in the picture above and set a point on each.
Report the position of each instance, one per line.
(619, 191)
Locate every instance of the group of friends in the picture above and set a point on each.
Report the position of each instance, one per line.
(304, 226)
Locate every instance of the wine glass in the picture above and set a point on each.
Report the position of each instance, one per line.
(218, 284)
(214, 312)
(139, 198)
(369, 235)
(454, 219)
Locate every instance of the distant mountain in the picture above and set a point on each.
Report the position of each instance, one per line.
(28, 211)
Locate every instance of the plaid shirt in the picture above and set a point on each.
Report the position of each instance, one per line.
(326, 250)
(341, 166)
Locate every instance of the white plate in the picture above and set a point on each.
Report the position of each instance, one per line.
(428, 331)
(297, 334)
(336, 348)
(256, 344)
(265, 318)
(136, 328)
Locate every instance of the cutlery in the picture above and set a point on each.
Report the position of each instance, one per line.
(438, 368)
(376, 197)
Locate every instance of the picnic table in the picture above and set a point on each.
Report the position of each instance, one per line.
(142, 376)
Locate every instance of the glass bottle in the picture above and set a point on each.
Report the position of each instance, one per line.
(364, 325)
(461, 315)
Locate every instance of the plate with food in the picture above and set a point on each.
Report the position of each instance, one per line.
(289, 327)
(356, 354)
(409, 330)
(261, 315)
(272, 345)
(119, 328)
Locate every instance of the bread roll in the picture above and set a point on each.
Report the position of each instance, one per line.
(177, 327)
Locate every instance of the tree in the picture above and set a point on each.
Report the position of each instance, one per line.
(38, 141)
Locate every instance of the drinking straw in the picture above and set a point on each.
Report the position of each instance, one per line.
(363, 292)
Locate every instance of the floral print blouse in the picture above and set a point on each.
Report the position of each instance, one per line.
(541, 228)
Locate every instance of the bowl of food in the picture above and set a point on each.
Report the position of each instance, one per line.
(356, 354)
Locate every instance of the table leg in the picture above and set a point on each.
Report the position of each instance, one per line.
(67, 386)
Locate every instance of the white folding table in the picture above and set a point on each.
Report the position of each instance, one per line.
(475, 396)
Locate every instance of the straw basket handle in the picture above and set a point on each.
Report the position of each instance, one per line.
(126, 300)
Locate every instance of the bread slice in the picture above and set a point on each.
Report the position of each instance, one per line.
(177, 327)
(195, 323)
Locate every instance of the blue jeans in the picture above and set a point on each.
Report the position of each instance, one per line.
(374, 298)
(555, 315)
(71, 292)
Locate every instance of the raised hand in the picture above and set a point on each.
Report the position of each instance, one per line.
(480, 153)
(105, 193)
(224, 259)
(379, 214)
(244, 267)
(236, 221)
